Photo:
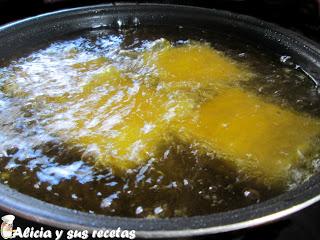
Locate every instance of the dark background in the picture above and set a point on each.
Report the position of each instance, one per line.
(302, 16)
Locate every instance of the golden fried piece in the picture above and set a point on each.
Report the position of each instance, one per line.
(136, 134)
(118, 122)
(261, 139)
(195, 64)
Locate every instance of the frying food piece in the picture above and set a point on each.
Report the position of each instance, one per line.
(118, 122)
(137, 132)
(261, 139)
(195, 64)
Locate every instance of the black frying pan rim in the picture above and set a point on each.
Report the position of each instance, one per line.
(281, 206)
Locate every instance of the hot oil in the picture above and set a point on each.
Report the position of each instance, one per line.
(178, 184)
(180, 179)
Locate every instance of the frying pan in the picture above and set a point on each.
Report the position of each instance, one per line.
(18, 37)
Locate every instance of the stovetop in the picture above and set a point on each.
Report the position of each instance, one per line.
(302, 16)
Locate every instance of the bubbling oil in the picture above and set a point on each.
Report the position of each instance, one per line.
(146, 123)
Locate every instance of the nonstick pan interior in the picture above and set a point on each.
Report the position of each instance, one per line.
(21, 37)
